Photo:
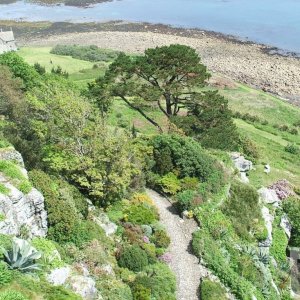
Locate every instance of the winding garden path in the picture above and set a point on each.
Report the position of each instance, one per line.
(184, 264)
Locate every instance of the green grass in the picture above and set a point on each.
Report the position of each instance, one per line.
(14, 173)
(3, 189)
(80, 71)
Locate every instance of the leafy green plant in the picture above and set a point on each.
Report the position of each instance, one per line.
(210, 290)
(3, 189)
(279, 245)
(133, 258)
(50, 256)
(161, 239)
(159, 279)
(25, 187)
(22, 256)
(185, 200)
(141, 214)
(12, 295)
(292, 148)
(170, 184)
(291, 207)
(5, 274)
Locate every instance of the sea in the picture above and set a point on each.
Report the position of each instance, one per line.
(275, 23)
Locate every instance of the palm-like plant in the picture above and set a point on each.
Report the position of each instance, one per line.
(22, 256)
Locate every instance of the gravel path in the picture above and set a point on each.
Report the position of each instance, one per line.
(185, 265)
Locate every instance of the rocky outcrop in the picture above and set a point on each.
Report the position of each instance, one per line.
(21, 212)
(242, 165)
(268, 196)
(81, 284)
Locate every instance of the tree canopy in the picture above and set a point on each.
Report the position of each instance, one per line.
(166, 77)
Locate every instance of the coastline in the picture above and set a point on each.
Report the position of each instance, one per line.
(260, 66)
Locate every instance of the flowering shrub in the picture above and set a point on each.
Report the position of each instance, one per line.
(166, 258)
(146, 239)
(282, 188)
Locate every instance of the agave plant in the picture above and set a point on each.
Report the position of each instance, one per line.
(22, 256)
(263, 256)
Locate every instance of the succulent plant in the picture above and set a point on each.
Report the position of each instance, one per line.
(22, 256)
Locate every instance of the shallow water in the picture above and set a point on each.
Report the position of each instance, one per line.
(272, 22)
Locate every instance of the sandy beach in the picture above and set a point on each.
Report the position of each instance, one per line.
(245, 62)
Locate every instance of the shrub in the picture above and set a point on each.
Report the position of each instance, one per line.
(141, 214)
(62, 214)
(141, 293)
(206, 248)
(279, 245)
(291, 207)
(186, 200)
(293, 131)
(12, 295)
(249, 149)
(210, 290)
(292, 148)
(170, 184)
(140, 198)
(161, 239)
(186, 157)
(20, 68)
(89, 53)
(189, 183)
(133, 258)
(243, 208)
(160, 280)
(6, 275)
(50, 255)
(86, 231)
(216, 222)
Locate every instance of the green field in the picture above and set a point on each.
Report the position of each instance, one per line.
(269, 140)
(79, 70)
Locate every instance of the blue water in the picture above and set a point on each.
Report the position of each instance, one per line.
(272, 22)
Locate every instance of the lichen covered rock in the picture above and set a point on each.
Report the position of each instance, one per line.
(21, 206)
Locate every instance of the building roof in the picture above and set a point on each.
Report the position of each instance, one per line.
(7, 36)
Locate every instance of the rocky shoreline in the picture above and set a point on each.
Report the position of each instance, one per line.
(257, 65)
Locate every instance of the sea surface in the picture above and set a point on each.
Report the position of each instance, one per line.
(272, 22)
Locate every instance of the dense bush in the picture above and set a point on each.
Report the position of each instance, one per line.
(210, 290)
(187, 200)
(185, 156)
(292, 148)
(62, 215)
(292, 208)
(141, 214)
(159, 279)
(6, 275)
(279, 245)
(206, 248)
(133, 258)
(12, 295)
(242, 206)
(170, 184)
(89, 53)
(161, 239)
(20, 69)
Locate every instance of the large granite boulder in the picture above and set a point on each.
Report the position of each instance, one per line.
(81, 284)
(20, 211)
(268, 196)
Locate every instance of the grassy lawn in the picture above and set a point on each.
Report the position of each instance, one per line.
(79, 71)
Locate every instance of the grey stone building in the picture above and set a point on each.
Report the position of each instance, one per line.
(7, 41)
